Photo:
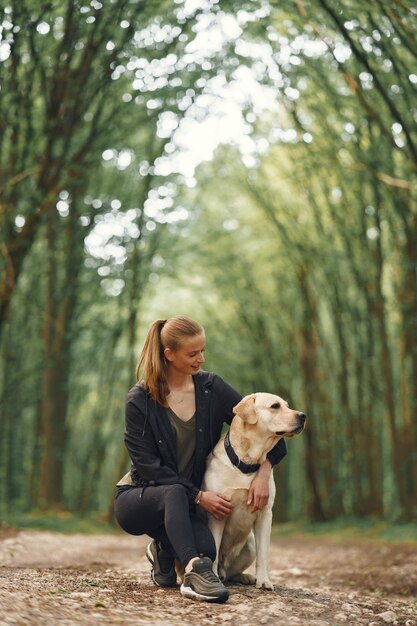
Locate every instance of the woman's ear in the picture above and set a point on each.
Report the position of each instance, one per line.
(168, 354)
(246, 409)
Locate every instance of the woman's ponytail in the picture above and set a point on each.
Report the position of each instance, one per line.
(152, 363)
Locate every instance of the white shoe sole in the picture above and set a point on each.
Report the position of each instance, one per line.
(187, 592)
(149, 554)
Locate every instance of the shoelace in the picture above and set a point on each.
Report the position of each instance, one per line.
(209, 575)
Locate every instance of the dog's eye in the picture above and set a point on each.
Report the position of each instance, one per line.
(276, 405)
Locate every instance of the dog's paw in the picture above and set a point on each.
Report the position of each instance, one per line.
(264, 584)
(243, 579)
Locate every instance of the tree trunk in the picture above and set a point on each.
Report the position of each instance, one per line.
(311, 386)
(408, 300)
(8, 426)
(61, 299)
(378, 311)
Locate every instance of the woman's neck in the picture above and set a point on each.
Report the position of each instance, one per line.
(178, 381)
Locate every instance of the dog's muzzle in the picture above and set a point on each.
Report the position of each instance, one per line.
(298, 429)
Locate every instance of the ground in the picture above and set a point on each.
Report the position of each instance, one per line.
(49, 578)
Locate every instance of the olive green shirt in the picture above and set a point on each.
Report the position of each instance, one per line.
(185, 437)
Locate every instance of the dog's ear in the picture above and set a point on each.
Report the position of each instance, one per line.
(246, 409)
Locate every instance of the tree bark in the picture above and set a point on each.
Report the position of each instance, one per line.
(408, 304)
(61, 300)
(311, 386)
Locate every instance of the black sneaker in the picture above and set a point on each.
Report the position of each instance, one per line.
(163, 566)
(203, 584)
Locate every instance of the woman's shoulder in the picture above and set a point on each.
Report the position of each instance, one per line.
(222, 396)
(206, 378)
(211, 380)
(137, 393)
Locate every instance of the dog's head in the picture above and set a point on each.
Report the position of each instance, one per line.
(271, 413)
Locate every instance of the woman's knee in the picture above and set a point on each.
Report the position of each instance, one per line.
(176, 493)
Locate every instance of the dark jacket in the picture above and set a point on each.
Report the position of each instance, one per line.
(150, 442)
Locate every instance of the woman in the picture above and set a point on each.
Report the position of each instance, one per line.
(174, 418)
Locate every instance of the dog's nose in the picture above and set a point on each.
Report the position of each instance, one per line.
(302, 417)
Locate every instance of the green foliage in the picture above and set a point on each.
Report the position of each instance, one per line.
(59, 521)
(296, 247)
(351, 528)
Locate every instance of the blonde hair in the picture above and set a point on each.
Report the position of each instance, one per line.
(163, 334)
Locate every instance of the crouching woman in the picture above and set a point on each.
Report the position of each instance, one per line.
(174, 418)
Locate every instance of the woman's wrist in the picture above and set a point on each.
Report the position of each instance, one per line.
(198, 497)
(265, 468)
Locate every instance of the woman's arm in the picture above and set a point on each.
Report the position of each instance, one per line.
(258, 494)
(259, 489)
(277, 453)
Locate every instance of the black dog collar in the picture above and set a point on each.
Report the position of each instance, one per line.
(246, 468)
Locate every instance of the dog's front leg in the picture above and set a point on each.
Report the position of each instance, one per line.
(217, 528)
(262, 530)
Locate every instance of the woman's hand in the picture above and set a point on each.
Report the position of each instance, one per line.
(258, 495)
(216, 504)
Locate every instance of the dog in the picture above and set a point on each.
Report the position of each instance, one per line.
(260, 420)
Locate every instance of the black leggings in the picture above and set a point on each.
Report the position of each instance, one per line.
(164, 513)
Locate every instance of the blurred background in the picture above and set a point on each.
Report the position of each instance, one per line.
(249, 163)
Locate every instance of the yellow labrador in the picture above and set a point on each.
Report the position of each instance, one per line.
(260, 420)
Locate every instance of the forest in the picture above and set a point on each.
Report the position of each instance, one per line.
(249, 163)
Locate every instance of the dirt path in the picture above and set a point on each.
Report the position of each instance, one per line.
(48, 578)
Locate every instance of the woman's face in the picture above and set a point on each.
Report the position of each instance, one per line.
(190, 355)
